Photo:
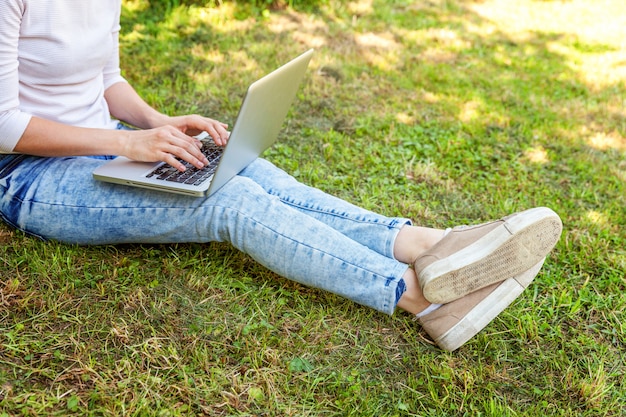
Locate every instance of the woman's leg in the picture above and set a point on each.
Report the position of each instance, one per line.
(390, 236)
(57, 198)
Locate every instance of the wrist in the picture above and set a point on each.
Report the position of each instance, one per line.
(157, 119)
(121, 142)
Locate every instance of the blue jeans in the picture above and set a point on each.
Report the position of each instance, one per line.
(297, 231)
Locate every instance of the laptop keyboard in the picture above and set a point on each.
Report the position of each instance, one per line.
(192, 175)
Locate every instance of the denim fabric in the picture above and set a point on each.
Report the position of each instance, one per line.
(294, 230)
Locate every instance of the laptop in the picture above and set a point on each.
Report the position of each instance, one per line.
(256, 128)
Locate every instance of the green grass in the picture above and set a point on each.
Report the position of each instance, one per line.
(447, 112)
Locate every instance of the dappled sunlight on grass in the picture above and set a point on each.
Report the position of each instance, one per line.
(136, 35)
(517, 36)
(243, 61)
(405, 118)
(438, 56)
(304, 29)
(537, 155)
(430, 97)
(219, 19)
(591, 34)
(590, 42)
(592, 20)
(445, 39)
(214, 56)
(136, 5)
(378, 50)
(605, 141)
(377, 41)
(470, 110)
(361, 7)
(605, 69)
(597, 218)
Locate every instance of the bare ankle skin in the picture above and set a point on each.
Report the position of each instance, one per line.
(412, 241)
(412, 300)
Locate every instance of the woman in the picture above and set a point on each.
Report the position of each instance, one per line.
(61, 98)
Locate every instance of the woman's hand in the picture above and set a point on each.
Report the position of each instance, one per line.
(167, 144)
(194, 124)
(172, 142)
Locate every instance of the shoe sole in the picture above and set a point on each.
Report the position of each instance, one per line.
(487, 310)
(507, 251)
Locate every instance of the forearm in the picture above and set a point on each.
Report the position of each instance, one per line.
(126, 105)
(51, 139)
(46, 138)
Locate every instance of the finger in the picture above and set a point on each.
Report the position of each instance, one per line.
(217, 130)
(187, 149)
(219, 134)
(193, 155)
(175, 160)
(171, 160)
(195, 141)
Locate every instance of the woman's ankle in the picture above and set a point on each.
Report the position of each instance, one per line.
(412, 300)
(412, 241)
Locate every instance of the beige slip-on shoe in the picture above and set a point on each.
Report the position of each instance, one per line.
(469, 258)
(453, 324)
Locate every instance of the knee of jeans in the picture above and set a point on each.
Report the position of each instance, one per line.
(268, 175)
(242, 193)
(240, 203)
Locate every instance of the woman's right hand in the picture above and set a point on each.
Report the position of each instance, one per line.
(167, 144)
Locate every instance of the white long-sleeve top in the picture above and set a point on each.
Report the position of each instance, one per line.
(57, 57)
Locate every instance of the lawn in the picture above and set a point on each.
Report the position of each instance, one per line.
(445, 111)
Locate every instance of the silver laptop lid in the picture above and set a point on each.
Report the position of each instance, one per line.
(260, 118)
